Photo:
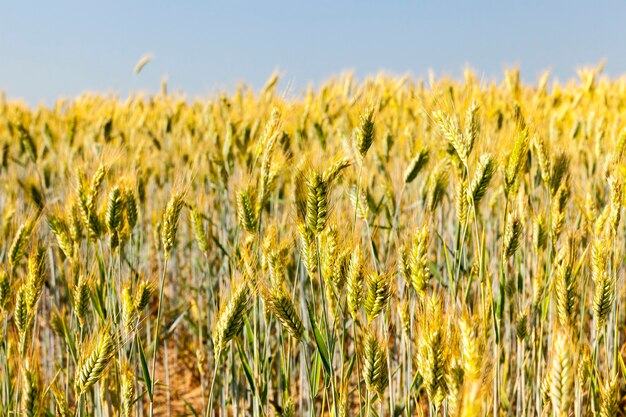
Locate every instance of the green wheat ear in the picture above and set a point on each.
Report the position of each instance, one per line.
(512, 236)
(378, 294)
(604, 293)
(375, 371)
(288, 408)
(5, 290)
(81, 299)
(115, 206)
(130, 202)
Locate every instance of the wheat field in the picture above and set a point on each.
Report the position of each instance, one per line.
(388, 247)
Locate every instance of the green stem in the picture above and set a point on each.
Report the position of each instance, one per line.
(215, 366)
(358, 190)
(156, 333)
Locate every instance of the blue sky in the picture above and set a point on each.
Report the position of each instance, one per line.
(52, 49)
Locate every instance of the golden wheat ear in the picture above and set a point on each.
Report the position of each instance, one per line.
(543, 157)
(5, 290)
(355, 282)
(247, 209)
(451, 132)
(460, 201)
(308, 249)
(96, 357)
(199, 231)
(231, 317)
(610, 397)
(615, 203)
(561, 377)
(61, 405)
(170, 220)
(364, 136)
(128, 390)
(437, 184)
(31, 393)
(512, 236)
(415, 166)
(61, 232)
(16, 251)
(143, 292)
(540, 233)
(129, 313)
(285, 311)
(332, 173)
(517, 160)
(482, 177)
(418, 261)
(566, 287)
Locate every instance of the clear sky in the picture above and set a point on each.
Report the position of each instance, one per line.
(51, 49)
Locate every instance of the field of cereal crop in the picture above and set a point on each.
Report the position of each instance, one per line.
(389, 247)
